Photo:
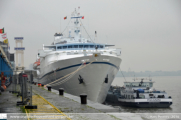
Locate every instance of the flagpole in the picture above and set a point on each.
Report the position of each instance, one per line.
(8, 41)
(60, 24)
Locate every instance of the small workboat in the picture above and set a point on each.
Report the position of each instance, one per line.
(142, 94)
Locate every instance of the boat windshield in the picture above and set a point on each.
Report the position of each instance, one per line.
(138, 84)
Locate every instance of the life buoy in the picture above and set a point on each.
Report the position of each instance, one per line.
(4, 86)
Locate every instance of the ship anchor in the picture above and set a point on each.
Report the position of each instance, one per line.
(106, 79)
(80, 80)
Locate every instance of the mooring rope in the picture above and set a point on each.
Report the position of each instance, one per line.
(68, 75)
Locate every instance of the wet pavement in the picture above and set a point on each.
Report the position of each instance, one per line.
(69, 106)
(8, 102)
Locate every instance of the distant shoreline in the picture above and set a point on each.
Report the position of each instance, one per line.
(148, 73)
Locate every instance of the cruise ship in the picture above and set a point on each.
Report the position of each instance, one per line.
(78, 64)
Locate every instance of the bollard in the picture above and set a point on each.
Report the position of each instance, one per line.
(83, 98)
(49, 88)
(61, 90)
(42, 85)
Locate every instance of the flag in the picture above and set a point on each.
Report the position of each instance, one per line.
(82, 17)
(4, 36)
(5, 41)
(65, 17)
(2, 30)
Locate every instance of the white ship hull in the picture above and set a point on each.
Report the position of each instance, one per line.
(67, 54)
(93, 75)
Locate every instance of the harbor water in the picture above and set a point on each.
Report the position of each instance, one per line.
(170, 84)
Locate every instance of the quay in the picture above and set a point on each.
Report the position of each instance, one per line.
(68, 106)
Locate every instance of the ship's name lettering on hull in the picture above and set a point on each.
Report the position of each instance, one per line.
(153, 100)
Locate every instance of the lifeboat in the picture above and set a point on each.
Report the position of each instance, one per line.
(36, 64)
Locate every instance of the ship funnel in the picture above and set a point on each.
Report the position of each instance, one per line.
(57, 36)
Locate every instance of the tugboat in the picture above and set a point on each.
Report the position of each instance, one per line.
(141, 94)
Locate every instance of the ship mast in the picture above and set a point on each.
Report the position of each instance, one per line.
(76, 25)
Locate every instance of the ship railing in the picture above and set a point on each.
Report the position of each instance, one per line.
(104, 51)
(147, 92)
(116, 52)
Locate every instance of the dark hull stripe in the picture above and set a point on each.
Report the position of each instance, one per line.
(146, 104)
(80, 65)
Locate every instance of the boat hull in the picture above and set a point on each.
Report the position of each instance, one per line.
(145, 104)
(93, 75)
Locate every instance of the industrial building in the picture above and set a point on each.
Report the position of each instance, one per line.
(6, 61)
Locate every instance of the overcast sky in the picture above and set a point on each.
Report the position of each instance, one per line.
(147, 31)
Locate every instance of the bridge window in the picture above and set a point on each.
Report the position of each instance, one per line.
(76, 46)
(86, 46)
(59, 47)
(80, 46)
(142, 96)
(69, 46)
(64, 47)
(132, 96)
(92, 46)
(161, 96)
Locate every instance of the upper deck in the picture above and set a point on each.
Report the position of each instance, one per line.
(75, 46)
(74, 42)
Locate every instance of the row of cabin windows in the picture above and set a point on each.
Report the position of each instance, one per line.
(79, 46)
(132, 97)
(128, 96)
